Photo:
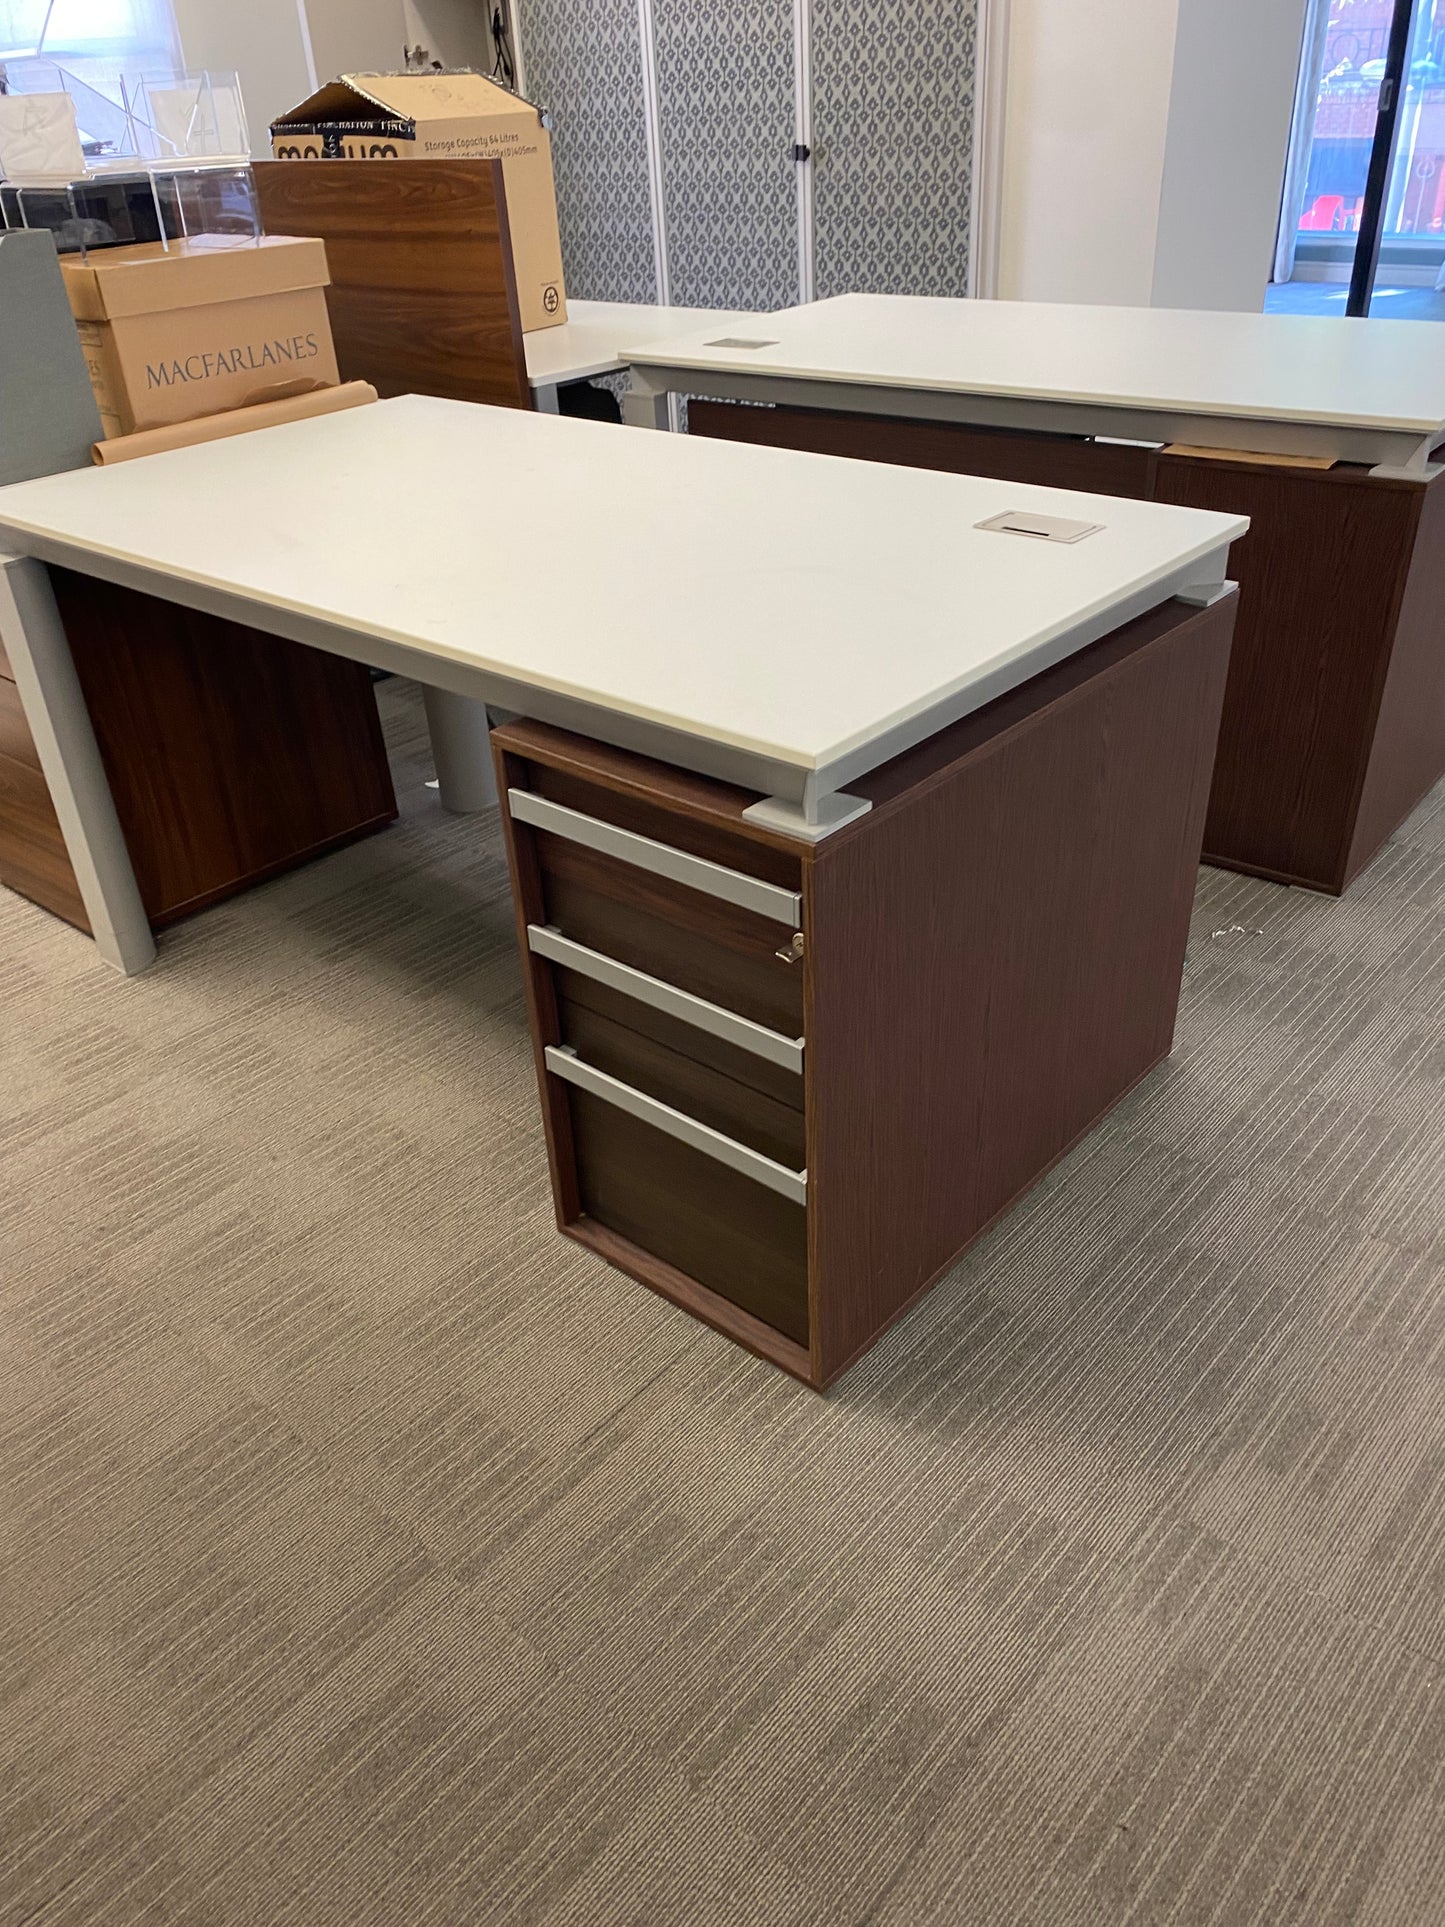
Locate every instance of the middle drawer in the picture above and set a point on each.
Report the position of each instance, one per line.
(731, 1090)
(717, 950)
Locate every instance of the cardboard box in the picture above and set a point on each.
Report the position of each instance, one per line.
(389, 117)
(204, 325)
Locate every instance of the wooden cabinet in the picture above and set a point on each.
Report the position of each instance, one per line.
(1334, 721)
(786, 1085)
(231, 754)
(423, 295)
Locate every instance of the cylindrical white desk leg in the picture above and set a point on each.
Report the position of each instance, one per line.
(461, 750)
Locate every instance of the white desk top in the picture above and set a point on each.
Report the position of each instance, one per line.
(789, 606)
(1297, 368)
(589, 342)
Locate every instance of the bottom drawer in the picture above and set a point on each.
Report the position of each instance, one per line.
(723, 1229)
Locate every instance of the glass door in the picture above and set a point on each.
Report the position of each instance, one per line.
(1362, 221)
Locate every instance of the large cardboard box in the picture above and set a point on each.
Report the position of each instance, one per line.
(203, 325)
(389, 117)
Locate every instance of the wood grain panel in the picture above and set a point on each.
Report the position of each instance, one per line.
(423, 296)
(1407, 753)
(685, 1040)
(697, 836)
(33, 857)
(711, 948)
(994, 960)
(711, 1223)
(1054, 461)
(1322, 574)
(726, 1104)
(231, 754)
(687, 800)
(710, 1306)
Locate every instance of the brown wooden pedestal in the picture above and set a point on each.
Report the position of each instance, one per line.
(1334, 719)
(991, 959)
(231, 754)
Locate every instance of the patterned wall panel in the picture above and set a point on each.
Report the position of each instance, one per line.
(725, 102)
(893, 103)
(583, 64)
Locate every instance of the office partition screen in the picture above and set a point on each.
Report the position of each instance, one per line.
(761, 153)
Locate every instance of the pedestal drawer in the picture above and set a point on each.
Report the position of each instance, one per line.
(717, 950)
(727, 1231)
(724, 1088)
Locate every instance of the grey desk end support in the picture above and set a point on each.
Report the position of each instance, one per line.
(48, 416)
(48, 420)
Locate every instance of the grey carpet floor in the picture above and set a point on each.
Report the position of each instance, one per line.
(369, 1554)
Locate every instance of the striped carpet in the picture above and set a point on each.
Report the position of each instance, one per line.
(368, 1554)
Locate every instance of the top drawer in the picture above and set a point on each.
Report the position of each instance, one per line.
(678, 898)
(763, 899)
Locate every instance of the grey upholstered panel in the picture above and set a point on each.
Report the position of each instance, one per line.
(893, 104)
(725, 104)
(584, 69)
(48, 416)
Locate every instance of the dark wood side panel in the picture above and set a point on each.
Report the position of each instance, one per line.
(231, 754)
(725, 1230)
(423, 297)
(1053, 461)
(994, 960)
(1322, 573)
(1407, 756)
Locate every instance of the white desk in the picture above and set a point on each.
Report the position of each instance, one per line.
(1364, 391)
(1324, 432)
(590, 341)
(796, 1046)
(763, 617)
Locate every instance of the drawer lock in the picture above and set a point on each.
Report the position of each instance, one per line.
(792, 952)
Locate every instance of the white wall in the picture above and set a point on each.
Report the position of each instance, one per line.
(1235, 63)
(276, 45)
(262, 41)
(1086, 117)
(1144, 147)
(455, 31)
(356, 36)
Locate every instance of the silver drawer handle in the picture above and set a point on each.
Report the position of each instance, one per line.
(564, 1062)
(713, 1018)
(696, 872)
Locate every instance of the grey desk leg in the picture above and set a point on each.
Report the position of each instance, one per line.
(544, 399)
(644, 407)
(461, 749)
(50, 693)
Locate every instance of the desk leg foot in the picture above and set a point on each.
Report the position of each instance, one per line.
(461, 749)
(643, 407)
(809, 821)
(55, 709)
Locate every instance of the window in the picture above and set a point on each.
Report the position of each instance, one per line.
(92, 36)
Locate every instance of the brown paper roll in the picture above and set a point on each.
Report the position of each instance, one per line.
(235, 421)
